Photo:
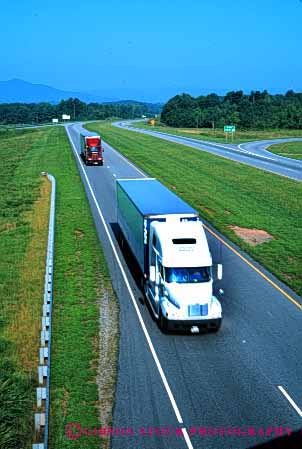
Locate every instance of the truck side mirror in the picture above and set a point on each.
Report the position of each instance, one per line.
(152, 273)
(219, 271)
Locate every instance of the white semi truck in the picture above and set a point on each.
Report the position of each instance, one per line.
(167, 238)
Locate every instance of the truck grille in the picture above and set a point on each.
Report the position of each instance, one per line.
(198, 310)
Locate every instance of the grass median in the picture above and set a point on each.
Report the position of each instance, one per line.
(80, 391)
(227, 194)
(217, 134)
(292, 150)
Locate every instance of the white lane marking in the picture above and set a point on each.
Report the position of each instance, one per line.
(150, 344)
(125, 159)
(266, 157)
(108, 166)
(187, 438)
(240, 146)
(256, 154)
(114, 175)
(292, 403)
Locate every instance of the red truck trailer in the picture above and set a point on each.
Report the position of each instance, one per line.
(91, 149)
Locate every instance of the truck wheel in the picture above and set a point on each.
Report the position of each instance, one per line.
(162, 323)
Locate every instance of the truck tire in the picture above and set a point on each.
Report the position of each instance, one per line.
(162, 323)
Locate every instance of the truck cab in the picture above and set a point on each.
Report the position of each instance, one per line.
(91, 148)
(180, 283)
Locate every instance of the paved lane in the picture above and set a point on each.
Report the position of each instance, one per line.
(218, 381)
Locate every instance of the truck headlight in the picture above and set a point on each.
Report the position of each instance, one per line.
(215, 308)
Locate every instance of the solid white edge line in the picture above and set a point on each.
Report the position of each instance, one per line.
(290, 400)
(157, 362)
(187, 438)
(266, 157)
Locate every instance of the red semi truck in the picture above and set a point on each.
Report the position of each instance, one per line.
(91, 149)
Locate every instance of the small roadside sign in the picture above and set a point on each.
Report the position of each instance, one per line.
(55, 120)
(65, 117)
(229, 129)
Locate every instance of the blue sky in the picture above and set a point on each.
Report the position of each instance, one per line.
(153, 49)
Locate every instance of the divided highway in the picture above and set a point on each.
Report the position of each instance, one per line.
(247, 376)
(251, 153)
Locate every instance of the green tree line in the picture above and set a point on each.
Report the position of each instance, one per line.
(258, 110)
(34, 113)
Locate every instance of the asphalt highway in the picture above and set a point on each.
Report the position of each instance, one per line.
(199, 391)
(251, 153)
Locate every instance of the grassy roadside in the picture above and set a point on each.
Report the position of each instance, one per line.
(290, 149)
(81, 287)
(227, 194)
(217, 135)
(21, 281)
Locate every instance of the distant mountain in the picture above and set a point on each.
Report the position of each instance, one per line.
(19, 91)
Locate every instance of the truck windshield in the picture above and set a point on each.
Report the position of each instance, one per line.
(188, 275)
(94, 149)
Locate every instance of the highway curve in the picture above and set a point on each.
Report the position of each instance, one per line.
(247, 376)
(251, 153)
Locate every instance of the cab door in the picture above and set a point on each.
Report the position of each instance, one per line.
(154, 281)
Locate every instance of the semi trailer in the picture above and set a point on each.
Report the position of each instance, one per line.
(167, 238)
(91, 148)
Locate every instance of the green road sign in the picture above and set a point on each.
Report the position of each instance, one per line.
(229, 129)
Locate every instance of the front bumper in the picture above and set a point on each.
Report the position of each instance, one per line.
(95, 161)
(186, 325)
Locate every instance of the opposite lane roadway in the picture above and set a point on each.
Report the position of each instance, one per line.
(251, 153)
(220, 381)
